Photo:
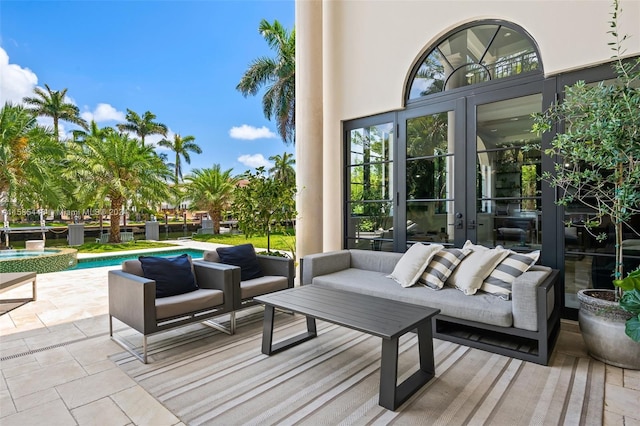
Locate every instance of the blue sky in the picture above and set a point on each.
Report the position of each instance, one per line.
(181, 60)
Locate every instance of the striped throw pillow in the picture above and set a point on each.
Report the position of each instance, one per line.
(499, 282)
(441, 266)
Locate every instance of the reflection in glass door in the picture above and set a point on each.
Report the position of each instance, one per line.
(431, 174)
(370, 186)
(507, 199)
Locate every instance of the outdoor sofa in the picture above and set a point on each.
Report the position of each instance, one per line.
(525, 326)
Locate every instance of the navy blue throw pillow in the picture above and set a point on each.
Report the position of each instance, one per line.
(173, 275)
(243, 256)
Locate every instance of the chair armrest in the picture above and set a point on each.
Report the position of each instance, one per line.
(533, 297)
(314, 265)
(279, 266)
(132, 300)
(218, 276)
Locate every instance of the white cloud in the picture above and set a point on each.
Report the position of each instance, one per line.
(250, 133)
(255, 160)
(15, 82)
(103, 112)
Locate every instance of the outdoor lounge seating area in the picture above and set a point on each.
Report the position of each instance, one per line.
(82, 374)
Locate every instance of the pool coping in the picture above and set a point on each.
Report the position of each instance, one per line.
(132, 252)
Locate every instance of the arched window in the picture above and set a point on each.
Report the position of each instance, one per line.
(472, 55)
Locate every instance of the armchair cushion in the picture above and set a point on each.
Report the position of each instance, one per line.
(243, 256)
(173, 275)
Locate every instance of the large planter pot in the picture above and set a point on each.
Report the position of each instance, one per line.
(602, 323)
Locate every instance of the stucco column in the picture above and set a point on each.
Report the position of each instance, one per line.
(332, 36)
(309, 126)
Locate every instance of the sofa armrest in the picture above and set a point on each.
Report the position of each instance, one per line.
(314, 265)
(533, 297)
(278, 266)
(132, 300)
(218, 276)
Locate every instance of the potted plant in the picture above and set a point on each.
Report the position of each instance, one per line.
(598, 166)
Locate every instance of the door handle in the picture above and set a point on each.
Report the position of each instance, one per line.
(459, 221)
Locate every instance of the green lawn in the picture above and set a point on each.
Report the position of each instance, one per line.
(108, 248)
(278, 241)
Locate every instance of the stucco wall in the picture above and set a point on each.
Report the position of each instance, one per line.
(374, 44)
(370, 46)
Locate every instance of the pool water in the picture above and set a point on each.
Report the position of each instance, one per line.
(118, 259)
(21, 254)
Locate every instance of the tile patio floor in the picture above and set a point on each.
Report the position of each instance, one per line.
(54, 360)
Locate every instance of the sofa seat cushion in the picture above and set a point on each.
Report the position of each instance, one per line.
(481, 307)
(262, 285)
(198, 300)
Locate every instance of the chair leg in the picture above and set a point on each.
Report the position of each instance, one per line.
(144, 349)
(233, 322)
(142, 357)
(228, 330)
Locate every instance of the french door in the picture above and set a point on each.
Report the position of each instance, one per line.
(468, 169)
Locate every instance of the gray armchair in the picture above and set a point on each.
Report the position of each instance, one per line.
(132, 300)
(279, 273)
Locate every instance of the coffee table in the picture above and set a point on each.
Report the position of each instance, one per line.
(377, 316)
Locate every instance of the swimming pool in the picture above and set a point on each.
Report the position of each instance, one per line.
(98, 262)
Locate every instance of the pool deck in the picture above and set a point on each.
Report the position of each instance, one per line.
(55, 366)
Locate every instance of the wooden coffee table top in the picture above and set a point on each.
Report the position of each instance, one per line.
(373, 315)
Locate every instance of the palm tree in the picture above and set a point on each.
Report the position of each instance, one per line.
(52, 104)
(92, 132)
(211, 190)
(118, 169)
(283, 168)
(278, 76)
(142, 126)
(182, 147)
(29, 158)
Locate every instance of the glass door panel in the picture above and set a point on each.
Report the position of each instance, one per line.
(430, 149)
(507, 190)
(370, 190)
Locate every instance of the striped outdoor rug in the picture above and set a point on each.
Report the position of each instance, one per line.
(205, 377)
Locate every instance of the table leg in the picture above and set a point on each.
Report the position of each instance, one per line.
(388, 373)
(269, 348)
(267, 329)
(425, 348)
(393, 395)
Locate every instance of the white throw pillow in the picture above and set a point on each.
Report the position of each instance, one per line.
(413, 262)
(499, 282)
(472, 271)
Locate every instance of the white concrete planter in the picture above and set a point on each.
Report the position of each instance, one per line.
(35, 245)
